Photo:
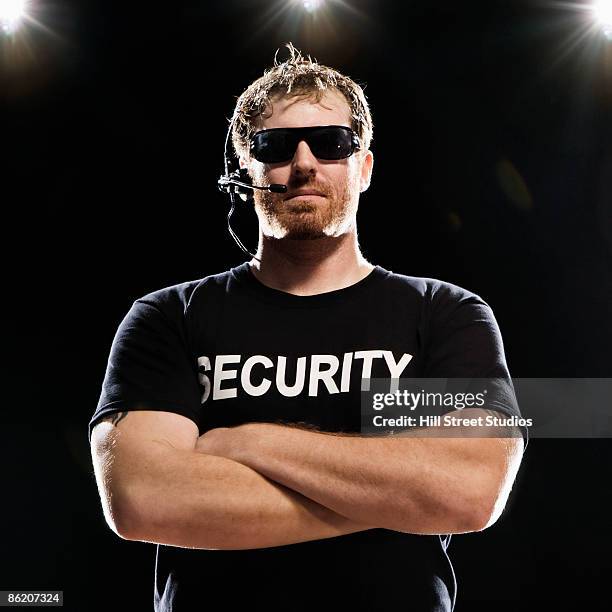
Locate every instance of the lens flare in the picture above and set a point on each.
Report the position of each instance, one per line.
(311, 5)
(11, 14)
(602, 9)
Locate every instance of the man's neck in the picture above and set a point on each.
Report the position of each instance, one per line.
(309, 267)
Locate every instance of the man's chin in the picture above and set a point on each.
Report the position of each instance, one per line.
(304, 233)
(306, 225)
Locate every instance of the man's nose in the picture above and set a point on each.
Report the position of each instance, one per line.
(303, 162)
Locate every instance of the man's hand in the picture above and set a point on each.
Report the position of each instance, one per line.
(223, 442)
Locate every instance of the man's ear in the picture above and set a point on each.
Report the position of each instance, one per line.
(242, 162)
(367, 163)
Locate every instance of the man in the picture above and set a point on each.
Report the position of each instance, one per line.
(228, 430)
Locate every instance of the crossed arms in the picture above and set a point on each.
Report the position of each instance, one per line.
(259, 485)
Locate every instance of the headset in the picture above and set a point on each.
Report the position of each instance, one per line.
(237, 182)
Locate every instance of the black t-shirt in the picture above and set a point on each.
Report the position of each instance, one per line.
(226, 350)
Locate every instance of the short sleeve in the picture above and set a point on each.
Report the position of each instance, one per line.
(149, 366)
(465, 343)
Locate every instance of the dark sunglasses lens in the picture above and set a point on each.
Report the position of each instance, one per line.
(331, 143)
(273, 146)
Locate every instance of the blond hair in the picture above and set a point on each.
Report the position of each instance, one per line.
(297, 76)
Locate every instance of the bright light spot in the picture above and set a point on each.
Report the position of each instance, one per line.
(602, 9)
(11, 13)
(311, 5)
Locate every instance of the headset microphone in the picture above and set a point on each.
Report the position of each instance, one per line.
(239, 182)
(240, 179)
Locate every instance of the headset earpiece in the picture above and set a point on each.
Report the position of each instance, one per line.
(236, 181)
(246, 194)
(228, 183)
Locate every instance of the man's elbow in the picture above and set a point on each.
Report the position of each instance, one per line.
(119, 529)
(445, 516)
(129, 528)
(116, 521)
(483, 510)
(482, 516)
(491, 489)
(127, 517)
(475, 516)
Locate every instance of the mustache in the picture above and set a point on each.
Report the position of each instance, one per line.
(293, 186)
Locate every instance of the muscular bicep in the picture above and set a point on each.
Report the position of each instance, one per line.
(126, 448)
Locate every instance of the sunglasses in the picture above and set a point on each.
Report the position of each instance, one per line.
(329, 142)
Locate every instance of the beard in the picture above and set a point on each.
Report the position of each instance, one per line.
(306, 219)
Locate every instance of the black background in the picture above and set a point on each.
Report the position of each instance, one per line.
(493, 170)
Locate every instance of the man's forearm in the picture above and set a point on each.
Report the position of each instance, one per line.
(202, 501)
(414, 484)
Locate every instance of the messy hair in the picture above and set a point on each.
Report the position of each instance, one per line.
(297, 76)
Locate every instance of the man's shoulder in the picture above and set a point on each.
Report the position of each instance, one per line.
(181, 295)
(432, 289)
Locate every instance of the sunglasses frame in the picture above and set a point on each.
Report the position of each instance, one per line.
(355, 142)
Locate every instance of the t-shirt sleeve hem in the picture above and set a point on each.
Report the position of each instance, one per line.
(506, 411)
(130, 405)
